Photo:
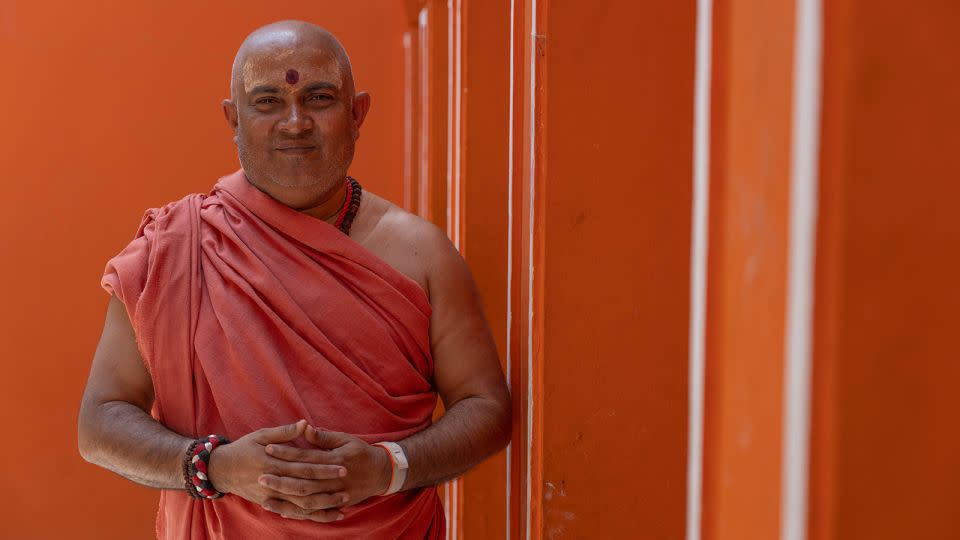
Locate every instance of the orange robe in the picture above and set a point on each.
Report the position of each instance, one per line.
(249, 314)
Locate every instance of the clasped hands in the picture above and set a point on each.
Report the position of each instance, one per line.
(301, 483)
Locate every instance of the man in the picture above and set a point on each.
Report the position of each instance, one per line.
(298, 318)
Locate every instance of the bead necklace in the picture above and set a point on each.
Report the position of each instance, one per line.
(351, 204)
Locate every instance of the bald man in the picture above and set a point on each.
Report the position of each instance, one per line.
(273, 350)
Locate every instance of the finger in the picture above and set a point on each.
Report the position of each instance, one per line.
(327, 440)
(289, 510)
(303, 455)
(299, 486)
(316, 501)
(285, 433)
(308, 471)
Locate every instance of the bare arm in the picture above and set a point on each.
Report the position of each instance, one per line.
(469, 379)
(115, 429)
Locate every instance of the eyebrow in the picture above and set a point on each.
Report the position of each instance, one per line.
(320, 86)
(264, 89)
(312, 87)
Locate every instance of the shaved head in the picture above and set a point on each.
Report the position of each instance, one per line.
(295, 112)
(280, 39)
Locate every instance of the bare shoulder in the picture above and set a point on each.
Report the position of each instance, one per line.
(409, 243)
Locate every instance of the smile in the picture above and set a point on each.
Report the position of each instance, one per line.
(297, 150)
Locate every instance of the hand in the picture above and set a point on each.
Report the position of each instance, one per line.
(368, 472)
(236, 467)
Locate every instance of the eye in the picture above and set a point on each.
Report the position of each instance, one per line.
(320, 97)
(266, 101)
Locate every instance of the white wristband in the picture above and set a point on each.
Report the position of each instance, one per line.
(398, 460)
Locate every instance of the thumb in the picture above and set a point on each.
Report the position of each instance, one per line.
(326, 440)
(279, 434)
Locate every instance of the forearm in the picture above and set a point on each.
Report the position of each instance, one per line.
(469, 432)
(121, 437)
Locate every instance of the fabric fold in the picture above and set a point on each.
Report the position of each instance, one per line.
(250, 314)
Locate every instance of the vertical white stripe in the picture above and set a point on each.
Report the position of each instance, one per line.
(698, 264)
(455, 506)
(510, 258)
(458, 96)
(532, 172)
(408, 86)
(800, 267)
(423, 199)
(446, 508)
(450, 120)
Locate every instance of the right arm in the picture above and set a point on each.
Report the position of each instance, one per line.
(115, 431)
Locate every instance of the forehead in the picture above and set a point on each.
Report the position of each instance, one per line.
(269, 65)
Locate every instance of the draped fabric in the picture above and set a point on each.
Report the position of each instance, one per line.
(249, 314)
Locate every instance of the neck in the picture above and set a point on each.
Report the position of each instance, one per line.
(330, 207)
(327, 210)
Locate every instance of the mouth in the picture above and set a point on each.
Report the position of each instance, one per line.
(298, 150)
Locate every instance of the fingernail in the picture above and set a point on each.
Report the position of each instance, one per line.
(345, 498)
(342, 472)
(339, 517)
(269, 448)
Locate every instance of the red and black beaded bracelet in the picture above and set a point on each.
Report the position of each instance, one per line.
(195, 465)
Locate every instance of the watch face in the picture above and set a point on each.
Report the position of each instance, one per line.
(401, 459)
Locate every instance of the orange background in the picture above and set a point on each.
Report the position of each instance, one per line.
(886, 443)
(617, 113)
(574, 215)
(110, 108)
(749, 185)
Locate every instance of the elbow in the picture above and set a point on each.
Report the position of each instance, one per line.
(84, 445)
(86, 435)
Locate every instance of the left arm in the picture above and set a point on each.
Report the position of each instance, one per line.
(477, 419)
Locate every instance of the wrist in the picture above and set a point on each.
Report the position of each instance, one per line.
(385, 468)
(218, 469)
(398, 466)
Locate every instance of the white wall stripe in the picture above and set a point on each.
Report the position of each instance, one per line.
(698, 265)
(453, 192)
(408, 135)
(800, 267)
(450, 82)
(532, 171)
(424, 57)
(455, 500)
(458, 97)
(510, 260)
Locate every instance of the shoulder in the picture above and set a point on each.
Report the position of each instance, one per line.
(183, 204)
(413, 245)
(411, 231)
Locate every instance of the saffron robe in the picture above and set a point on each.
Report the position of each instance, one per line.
(249, 314)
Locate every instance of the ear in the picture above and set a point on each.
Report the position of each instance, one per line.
(361, 105)
(230, 113)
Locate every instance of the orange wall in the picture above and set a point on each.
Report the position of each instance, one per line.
(485, 150)
(885, 439)
(750, 151)
(110, 108)
(617, 118)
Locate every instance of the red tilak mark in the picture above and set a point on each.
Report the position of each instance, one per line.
(292, 76)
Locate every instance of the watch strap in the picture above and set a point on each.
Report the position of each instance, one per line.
(398, 464)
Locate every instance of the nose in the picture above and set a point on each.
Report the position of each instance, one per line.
(296, 121)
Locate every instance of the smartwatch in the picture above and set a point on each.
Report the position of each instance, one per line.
(398, 462)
